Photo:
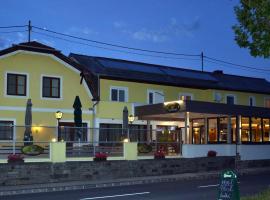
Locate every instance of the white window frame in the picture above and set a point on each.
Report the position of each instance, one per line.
(231, 95)
(264, 102)
(61, 87)
(119, 88)
(27, 85)
(253, 100)
(158, 92)
(14, 128)
(185, 94)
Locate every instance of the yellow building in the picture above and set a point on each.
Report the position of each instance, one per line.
(106, 86)
(51, 80)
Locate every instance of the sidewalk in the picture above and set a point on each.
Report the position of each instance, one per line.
(81, 185)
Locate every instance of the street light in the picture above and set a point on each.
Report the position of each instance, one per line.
(58, 116)
(131, 119)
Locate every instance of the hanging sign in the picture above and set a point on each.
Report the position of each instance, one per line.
(172, 107)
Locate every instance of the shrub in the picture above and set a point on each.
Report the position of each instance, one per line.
(32, 150)
(100, 156)
(18, 158)
(159, 154)
(144, 148)
(211, 153)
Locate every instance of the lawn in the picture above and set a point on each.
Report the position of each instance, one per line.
(261, 196)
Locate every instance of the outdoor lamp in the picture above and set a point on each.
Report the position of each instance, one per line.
(58, 115)
(131, 118)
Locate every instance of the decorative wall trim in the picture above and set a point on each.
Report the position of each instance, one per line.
(53, 110)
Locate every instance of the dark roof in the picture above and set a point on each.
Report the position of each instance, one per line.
(34, 46)
(157, 74)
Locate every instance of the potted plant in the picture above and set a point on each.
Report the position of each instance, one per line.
(15, 158)
(159, 154)
(211, 153)
(100, 156)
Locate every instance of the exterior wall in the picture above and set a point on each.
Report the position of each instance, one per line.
(35, 65)
(247, 152)
(254, 152)
(109, 170)
(192, 151)
(137, 94)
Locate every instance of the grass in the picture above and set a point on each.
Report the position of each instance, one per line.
(265, 195)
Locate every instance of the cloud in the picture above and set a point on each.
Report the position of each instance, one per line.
(79, 30)
(118, 24)
(149, 35)
(16, 38)
(163, 33)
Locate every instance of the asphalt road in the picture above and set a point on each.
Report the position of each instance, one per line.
(186, 190)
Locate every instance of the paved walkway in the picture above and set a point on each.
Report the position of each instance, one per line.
(79, 185)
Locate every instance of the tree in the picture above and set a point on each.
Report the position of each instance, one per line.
(253, 28)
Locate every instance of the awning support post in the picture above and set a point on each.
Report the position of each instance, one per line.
(187, 127)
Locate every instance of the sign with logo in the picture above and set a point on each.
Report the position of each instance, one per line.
(172, 107)
(228, 187)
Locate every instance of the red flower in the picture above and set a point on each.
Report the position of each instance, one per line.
(15, 157)
(159, 154)
(211, 153)
(101, 155)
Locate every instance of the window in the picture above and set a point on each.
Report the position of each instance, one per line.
(266, 130)
(119, 94)
(69, 133)
(223, 129)
(186, 96)
(198, 131)
(139, 133)
(267, 102)
(155, 96)
(110, 133)
(256, 129)
(50, 87)
(230, 100)
(6, 130)
(16, 84)
(212, 130)
(245, 131)
(251, 101)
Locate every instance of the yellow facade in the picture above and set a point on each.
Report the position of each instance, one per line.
(36, 65)
(137, 93)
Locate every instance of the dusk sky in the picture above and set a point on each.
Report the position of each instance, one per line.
(179, 26)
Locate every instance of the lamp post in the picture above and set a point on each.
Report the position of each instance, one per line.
(131, 119)
(58, 116)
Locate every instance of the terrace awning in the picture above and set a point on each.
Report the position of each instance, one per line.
(175, 110)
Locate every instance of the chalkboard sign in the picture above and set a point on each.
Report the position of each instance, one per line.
(228, 187)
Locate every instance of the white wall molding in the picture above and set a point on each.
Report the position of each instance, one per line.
(53, 110)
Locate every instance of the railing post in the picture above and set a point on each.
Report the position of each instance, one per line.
(131, 150)
(58, 152)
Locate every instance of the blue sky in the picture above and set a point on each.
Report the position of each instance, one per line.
(181, 26)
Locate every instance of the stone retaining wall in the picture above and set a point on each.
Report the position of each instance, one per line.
(34, 173)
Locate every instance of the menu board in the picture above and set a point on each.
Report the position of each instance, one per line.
(228, 187)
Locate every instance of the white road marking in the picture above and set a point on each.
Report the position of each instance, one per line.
(206, 186)
(119, 195)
